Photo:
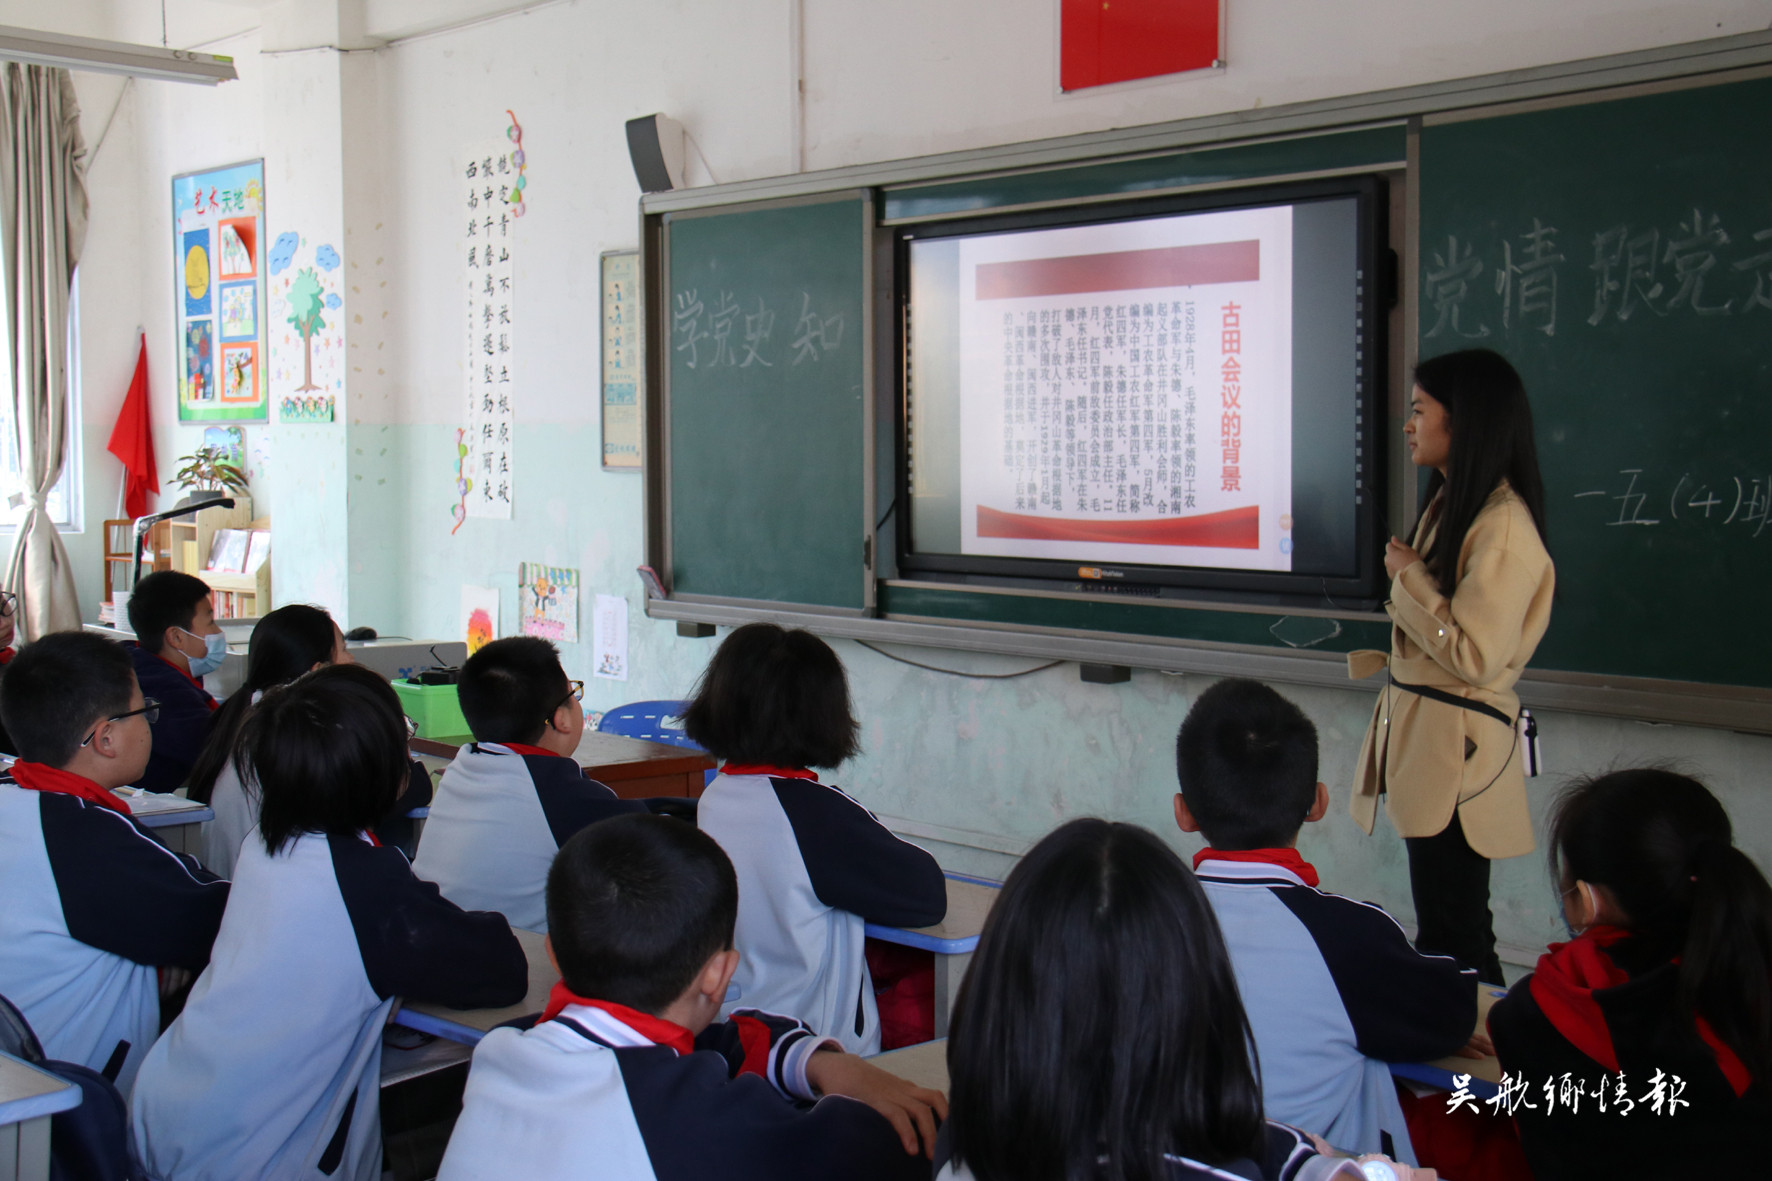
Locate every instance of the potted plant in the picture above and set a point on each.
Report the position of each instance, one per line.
(209, 473)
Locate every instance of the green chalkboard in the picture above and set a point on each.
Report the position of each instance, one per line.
(1620, 253)
(767, 402)
(1366, 147)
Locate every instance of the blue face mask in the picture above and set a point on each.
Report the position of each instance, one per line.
(215, 650)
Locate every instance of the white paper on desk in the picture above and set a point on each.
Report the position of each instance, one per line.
(609, 644)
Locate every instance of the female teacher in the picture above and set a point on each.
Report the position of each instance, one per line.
(1470, 599)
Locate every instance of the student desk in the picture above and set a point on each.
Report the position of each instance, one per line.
(175, 820)
(468, 1026)
(952, 940)
(28, 1097)
(925, 1064)
(1485, 1073)
(632, 767)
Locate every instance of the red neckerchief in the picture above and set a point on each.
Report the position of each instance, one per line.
(42, 777)
(1564, 984)
(519, 748)
(1284, 858)
(772, 772)
(186, 674)
(654, 1029)
(7, 653)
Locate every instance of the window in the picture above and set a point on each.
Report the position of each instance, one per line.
(64, 499)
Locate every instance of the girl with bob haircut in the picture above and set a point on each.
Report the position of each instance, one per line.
(285, 644)
(814, 867)
(1470, 598)
(325, 928)
(1662, 996)
(1098, 1035)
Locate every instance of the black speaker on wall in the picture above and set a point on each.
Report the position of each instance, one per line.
(655, 144)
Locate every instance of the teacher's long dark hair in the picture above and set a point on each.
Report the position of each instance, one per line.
(1491, 426)
(1099, 1026)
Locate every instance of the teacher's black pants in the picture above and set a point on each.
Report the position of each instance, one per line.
(1450, 883)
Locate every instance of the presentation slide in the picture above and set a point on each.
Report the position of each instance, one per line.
(1128, 391)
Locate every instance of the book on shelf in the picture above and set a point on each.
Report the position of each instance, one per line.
(227, 552)
(258, 551)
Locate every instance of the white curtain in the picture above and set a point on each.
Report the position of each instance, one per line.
(42, 227)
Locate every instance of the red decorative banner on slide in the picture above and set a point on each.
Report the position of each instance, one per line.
(1102, 41)
(1122, 270)
(1237, 528)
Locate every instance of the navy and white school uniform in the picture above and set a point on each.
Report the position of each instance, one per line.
(597, 1090)
(182, 726)
(90, 907)
(1334, 992)
(814, 867)
(273, 1069)
(1286, 1155)
(501, 812)
(236, 815)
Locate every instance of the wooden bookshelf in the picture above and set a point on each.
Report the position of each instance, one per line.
(237, 596)
(183, 544)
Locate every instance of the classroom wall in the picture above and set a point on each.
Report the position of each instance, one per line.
(987, 764)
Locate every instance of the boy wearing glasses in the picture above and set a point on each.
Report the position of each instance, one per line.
(515, 794)
(94, 905)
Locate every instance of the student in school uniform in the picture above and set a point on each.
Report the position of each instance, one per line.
(91, 906)
(1099, 1035)
(1642, 1046)
(1333, 988)
(8, 626)
(630, 1074)
(814, 867)
(286, 643)
(273, 1069)
(514, 795)
(177, 644)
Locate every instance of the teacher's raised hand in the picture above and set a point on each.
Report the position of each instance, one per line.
(1398, 557)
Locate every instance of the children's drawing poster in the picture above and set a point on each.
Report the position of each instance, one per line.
(479, 616)
(609, 634)
(490, 205)
(547, 602)
(307, 327)
(218, 224)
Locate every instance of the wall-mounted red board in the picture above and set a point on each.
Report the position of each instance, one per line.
(1102, 41)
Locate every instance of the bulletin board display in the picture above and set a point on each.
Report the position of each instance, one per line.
(218, 242)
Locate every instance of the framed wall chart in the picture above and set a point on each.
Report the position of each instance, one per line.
(218, 241)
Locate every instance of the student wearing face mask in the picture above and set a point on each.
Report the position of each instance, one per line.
(177, 644)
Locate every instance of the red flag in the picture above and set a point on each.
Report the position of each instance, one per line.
(133, 442)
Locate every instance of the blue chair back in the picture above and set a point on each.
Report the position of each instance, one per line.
(650, 720)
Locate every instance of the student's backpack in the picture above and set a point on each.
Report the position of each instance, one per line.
(86, 1143)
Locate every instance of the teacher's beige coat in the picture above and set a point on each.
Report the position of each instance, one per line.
(1428, 758)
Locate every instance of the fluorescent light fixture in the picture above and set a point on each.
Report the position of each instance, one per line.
(114, 57)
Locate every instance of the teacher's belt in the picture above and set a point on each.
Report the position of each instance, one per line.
(1440, 695)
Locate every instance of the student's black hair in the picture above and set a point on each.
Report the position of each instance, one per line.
(163, 599)
(776, 698)
(1099, 1025)
(1662, 844)
(328, 752)
(58, 688)
(1246, 759)
(510, 689)
(1490, 422)
(636, 905)
(285, 644)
